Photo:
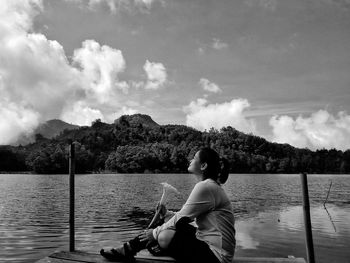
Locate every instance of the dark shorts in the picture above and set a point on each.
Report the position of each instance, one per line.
(186, 248)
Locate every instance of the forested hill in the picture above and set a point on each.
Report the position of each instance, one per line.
(137, 144)
(53, 128)
(48, 129)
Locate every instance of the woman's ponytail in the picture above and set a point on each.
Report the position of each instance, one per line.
(224, 171)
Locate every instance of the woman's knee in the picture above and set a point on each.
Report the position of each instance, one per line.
(165, 237)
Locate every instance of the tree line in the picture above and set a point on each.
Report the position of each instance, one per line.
(127, 146)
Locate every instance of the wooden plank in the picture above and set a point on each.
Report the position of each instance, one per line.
(267, 260)
(53, 260)
(79, 256)
(146, 257)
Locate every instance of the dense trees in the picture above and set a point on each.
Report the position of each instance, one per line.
(130, 145)
(12, 159)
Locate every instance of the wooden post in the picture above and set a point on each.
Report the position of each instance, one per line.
(71, 197)
(307, 220)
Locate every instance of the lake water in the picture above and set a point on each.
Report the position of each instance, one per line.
(110, 209)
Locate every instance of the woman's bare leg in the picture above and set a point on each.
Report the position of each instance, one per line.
(165, 237)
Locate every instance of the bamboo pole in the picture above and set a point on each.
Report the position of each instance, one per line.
(307, 220)
(329, 189)
(71, 197)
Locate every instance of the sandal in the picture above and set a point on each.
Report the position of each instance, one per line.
(154, 248)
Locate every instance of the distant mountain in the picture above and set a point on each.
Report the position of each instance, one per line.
(137, 119)
(52, 128)
(48, 129)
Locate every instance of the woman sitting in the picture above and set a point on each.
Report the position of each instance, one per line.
(212, 239)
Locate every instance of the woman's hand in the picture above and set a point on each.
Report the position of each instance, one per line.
(158, 216)
(147, 235)
(162, 210)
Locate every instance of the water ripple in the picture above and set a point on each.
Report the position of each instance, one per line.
(113, 208)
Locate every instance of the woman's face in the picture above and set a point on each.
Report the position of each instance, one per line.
(195, 165)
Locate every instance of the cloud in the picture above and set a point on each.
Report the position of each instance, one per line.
(116, 6)
(34, 72)
(38, 82)
(80, 113)
(209, 86)
(146, 3)
(113, 5)
(15, 119)
(204, 116)
(17, 15)
(137, 84)
(156, 75)
(123, 111)
(100, 66)
(320, 130)
(218, 44)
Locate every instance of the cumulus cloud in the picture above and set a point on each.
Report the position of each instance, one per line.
(203, 116)
(126, 111)
(16, 15)
(38, 82)
(218, 44)
(34, 73)
(100, 66)
(146, 3)
(15, 119)
(113, 5)
(81, 114)
(31, 67)
(215, 43)
(209, 86)
(137, 84)
(320, 130)
(119, 5)
(156, 75)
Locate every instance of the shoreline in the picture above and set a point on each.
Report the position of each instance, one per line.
(150, 172)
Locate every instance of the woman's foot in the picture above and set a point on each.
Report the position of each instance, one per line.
(155, 249)
(123, 253)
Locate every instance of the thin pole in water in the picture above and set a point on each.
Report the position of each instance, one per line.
(329, 189)
(307, 220)
(71, 196)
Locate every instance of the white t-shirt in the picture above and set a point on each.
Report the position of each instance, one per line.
(211, 209)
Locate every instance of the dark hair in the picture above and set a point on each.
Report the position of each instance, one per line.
(217, 168)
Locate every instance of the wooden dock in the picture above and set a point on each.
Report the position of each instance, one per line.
(145, 257)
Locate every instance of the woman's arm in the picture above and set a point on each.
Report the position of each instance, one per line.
(200, 201)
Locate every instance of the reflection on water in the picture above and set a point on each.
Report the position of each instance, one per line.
(113, 208)
(284, 232)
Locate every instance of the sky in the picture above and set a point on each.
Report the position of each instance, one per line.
(275, 68)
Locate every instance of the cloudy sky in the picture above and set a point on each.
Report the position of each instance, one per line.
(277, 69)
